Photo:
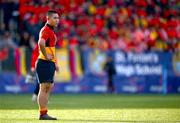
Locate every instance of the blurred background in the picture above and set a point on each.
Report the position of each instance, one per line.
(104, 46)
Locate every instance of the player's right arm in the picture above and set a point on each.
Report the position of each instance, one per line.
(42, 45)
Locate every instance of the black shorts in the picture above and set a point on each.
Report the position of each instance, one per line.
(45, 71)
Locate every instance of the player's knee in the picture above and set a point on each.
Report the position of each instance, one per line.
(46, 88)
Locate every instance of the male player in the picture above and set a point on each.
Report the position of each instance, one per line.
(46, 64)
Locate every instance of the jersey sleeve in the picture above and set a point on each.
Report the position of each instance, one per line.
(43, 35)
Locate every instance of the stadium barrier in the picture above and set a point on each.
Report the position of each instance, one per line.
(147, 72)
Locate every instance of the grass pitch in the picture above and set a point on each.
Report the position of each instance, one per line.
(93, 109)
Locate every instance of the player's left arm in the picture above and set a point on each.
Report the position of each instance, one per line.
(56, 64)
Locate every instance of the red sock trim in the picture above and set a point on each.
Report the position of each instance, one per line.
(43, 111)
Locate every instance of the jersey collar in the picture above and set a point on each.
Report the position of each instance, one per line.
(51, 27)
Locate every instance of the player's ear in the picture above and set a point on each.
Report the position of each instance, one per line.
(47, 17)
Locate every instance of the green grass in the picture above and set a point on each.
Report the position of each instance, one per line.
(93, 109)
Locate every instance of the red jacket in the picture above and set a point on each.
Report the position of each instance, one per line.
(34, 56)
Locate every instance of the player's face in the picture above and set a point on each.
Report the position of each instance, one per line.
(54, 20)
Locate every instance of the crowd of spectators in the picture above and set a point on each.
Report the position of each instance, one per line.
(128, 25)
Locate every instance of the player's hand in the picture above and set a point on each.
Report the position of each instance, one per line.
(57, 68)
(32, 69)
(49, 57)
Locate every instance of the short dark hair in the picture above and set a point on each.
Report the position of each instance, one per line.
(50, 12)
